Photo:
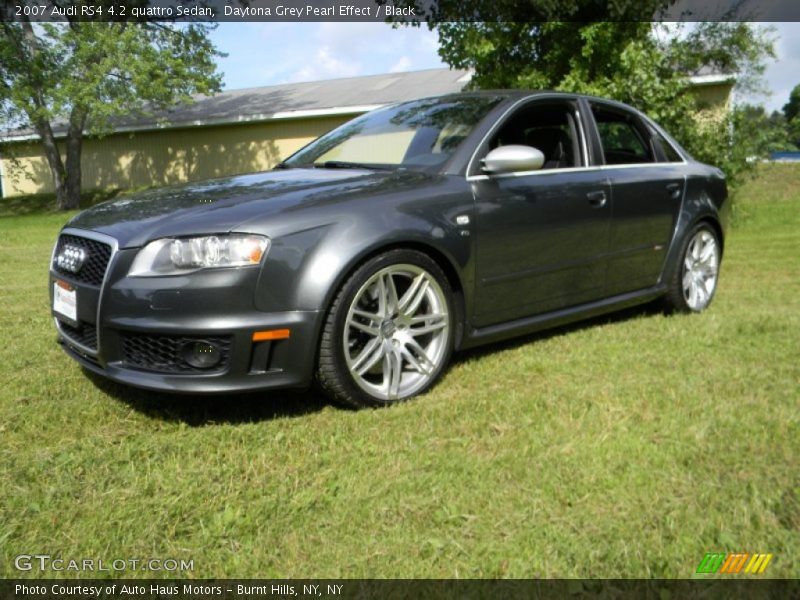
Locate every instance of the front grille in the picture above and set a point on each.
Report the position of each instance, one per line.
(162, 353)
(85, 334)
(97, 256)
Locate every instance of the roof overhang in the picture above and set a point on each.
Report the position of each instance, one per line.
(212, 122)
(714, 79)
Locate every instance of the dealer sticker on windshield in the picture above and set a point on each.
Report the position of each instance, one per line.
(65, 301)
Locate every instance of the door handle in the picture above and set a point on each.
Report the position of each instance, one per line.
(674, 190)
(597, 199)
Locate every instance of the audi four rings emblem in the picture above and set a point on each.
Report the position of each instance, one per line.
(71, 258)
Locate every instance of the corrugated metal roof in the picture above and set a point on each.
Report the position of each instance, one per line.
(350, 95)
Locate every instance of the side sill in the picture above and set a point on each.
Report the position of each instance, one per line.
(509, 329)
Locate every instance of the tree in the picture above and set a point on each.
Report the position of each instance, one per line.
(82, 75)
(630, 59)
(791, 112)
(766, 132)
(792, 108)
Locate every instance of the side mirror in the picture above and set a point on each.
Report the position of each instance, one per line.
(506, 159)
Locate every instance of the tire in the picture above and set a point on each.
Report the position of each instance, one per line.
(694, 280)
(389, 332)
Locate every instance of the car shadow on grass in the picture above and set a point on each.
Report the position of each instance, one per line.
(216, 409)
(203, 410)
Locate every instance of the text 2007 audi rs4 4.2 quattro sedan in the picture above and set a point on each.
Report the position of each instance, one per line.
(365, 259)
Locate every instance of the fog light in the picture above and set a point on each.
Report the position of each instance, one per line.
(201, 355)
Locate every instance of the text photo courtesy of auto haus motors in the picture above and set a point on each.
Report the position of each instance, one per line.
(281, 278)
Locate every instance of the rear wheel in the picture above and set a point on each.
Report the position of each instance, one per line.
(694, 282)
(389, 333)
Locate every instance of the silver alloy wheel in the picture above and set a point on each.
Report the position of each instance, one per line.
(396, 332)
(700, 269)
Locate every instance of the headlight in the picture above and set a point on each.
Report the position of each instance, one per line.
(178, 256)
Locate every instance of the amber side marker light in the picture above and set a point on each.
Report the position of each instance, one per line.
(274, 334)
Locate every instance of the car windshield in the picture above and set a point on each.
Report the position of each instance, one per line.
(423, 133)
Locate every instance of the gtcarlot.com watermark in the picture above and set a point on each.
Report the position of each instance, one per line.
(48, 563)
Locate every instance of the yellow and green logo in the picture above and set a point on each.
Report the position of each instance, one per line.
(733, 563)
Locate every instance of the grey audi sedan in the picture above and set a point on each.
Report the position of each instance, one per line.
(363, 261)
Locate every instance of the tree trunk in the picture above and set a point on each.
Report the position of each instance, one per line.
(67, 190)
(73, 167)
(66, 176)
(56, 164)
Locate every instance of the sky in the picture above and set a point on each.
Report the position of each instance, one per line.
(262, 54)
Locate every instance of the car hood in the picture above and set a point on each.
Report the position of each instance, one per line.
(222, 205)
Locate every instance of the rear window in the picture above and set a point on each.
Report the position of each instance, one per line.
(624, 139)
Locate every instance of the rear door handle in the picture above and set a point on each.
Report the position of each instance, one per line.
(597, 199)
(674, 190)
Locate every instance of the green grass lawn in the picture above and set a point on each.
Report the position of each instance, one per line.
(625, 447)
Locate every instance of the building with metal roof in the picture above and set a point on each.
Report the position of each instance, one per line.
(233, 132)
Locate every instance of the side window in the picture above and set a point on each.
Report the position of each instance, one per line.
(667, 149)
(549, 127)
(623, 138)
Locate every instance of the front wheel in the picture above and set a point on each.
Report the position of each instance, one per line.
(389, 333)
(694, 282)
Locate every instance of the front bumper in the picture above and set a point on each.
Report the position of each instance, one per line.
(133, 330)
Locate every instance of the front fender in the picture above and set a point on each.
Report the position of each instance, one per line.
(304, 269)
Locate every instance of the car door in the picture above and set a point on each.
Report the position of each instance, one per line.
(542, 235)
(647, 191)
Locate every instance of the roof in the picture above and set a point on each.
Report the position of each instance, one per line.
(347, 96)
(710, 75)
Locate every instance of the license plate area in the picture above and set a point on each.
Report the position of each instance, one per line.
(65, 302)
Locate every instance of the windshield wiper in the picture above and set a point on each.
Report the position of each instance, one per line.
(342, 164)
